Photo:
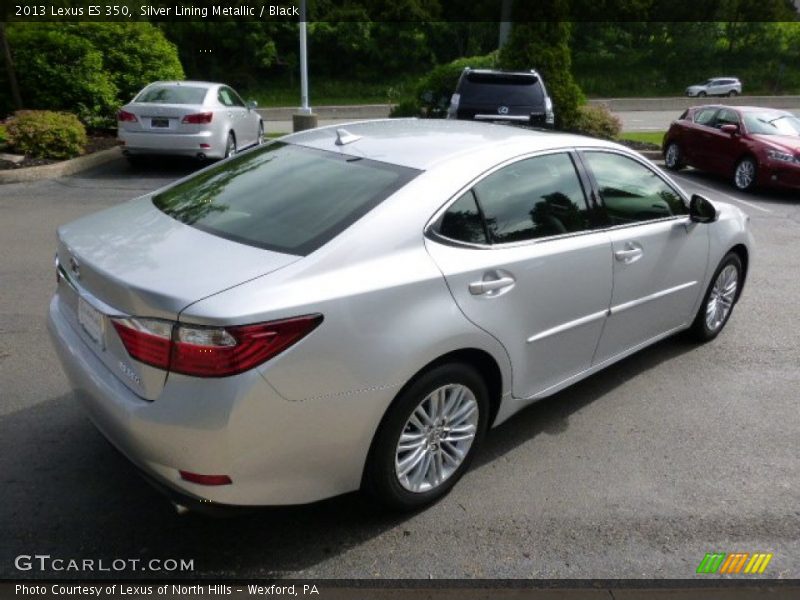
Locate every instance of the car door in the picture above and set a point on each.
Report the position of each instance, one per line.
(236, 113)
(659, 255)
(697, 148)
(523, 263)
(249, 116)
(724, 148)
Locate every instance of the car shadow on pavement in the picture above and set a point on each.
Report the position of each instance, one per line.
(67, 494)
(168, 168)
(551, 415)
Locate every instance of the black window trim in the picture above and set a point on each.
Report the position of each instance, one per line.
(646, 164)
(431, 230)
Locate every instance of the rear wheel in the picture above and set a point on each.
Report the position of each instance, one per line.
(717, 306)
(733, 93)
(673, 157)
(230, 145)
(428, 437)
(260, 139)
(744, 175)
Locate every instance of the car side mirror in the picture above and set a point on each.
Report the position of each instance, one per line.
(252, 105)
(730, 129)
(701, 210)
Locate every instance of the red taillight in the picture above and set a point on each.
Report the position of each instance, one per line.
(198, 118)
(147, 340)
(205, 479)
(210, 351)
(124, 115)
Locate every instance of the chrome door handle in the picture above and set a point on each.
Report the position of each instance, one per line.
(491, 286)
(629, 255)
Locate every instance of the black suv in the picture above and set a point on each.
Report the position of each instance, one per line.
(487, 95)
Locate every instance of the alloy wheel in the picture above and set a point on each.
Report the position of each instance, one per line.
(436, 438)
(745, 174)
(672, 157)
(722, 296)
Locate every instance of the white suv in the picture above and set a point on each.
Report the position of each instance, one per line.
(718, 86)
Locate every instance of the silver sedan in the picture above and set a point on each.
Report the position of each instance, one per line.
(188, 118)
(355, 308)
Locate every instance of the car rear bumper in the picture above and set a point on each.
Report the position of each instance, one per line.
(275, 451)
(181, 144)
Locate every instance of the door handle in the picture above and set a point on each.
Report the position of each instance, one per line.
(631, 254)
(491, 287)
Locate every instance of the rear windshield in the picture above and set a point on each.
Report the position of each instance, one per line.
(173, 94)
(508, 89)
(283, 197)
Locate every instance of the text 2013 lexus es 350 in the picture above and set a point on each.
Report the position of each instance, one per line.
(354, 308)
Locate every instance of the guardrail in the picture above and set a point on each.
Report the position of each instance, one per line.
(677, 103)
(682, 102)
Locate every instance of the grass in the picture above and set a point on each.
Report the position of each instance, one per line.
(652, 137)
(326, 92)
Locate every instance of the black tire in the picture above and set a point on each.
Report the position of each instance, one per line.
(381, 480)
(230, 145)
(701, 94)
(742, 182)
(733, 93)
(260, 139)
(673, 157)
(700, 330)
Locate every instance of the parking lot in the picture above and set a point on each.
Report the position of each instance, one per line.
(636, 472)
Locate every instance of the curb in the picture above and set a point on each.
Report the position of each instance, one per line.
(67, 167)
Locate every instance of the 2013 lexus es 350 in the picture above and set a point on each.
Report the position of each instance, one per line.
(354, 308)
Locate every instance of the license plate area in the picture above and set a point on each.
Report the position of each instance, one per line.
(159, 122)
(91, 320)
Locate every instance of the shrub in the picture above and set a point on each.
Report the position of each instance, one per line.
(597, 121)
(431, 94)
(46, 134)
(89, 69)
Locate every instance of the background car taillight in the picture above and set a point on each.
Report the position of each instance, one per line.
(210, 351)
(198, 118)
(125, 116)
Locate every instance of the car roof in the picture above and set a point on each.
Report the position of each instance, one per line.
(422, 143)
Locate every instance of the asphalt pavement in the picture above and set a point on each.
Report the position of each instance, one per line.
(636, 472)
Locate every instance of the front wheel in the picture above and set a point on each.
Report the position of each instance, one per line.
(744, 176)
(673, 158)
(260, 139)
(717, 306)
(701, 94)
(428, 437)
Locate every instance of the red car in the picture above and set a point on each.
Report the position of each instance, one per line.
(753, 146)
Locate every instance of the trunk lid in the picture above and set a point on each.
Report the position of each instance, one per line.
(161, 118)
(135, 260)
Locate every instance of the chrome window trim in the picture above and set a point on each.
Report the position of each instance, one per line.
(430, 232)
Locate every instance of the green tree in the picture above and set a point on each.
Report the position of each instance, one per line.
(540, 40)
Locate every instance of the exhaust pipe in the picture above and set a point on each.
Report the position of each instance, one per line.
(201, 156)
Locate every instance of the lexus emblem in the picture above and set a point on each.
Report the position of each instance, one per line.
(503, 110)
(74, 267)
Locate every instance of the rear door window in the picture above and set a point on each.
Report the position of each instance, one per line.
(283, 197)
(534, 198)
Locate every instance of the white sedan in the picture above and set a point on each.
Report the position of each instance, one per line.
(188, 118)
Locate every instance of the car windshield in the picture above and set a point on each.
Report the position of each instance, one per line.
(770, 123)
(283, 197)
(172, 94)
